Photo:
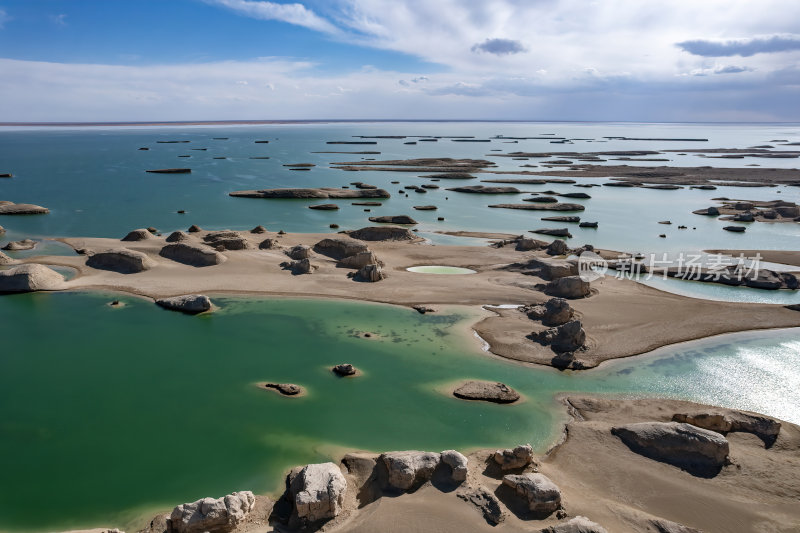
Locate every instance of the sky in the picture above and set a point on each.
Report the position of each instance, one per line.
(592, 60)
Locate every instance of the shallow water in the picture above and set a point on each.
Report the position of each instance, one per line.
(439, 269)
(144, 408)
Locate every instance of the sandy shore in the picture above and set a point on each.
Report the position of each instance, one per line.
(621, 317)
(599, 478)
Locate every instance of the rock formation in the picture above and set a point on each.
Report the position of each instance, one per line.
(394, 219)
(29, 278)
(317, 492)
(557, 247)
(457, 463)
(344, 369)
(5, 260)
(483, 189)
(121, 260)
(137, 235)
(514, 458)
(488, 391)
(178, 236)
(324, 192)
(24, 244)
(696, 450)
(565, 338)
(339, 248)
(301, 251)
(303, 266)
(570, 287)
(486, 502)
(579, 524)
(409, 469)
(383, 233)
(10, 208)
(227, 240)
(727, 421)
(554, 232)
(269, 244)
(192, 255)
(554, 312)
(211, 515)
(370, 273)
(190, 303)
(537, 490)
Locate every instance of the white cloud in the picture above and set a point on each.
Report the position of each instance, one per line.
(59, 20)
(4, 17)
(296, 14)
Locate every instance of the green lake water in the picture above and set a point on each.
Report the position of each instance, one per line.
(112, 413)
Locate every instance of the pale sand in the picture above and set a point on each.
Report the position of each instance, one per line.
(784, 257)
(622, 317)
(599, 477)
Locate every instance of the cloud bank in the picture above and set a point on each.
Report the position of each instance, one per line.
(741, 47)
(499, 47)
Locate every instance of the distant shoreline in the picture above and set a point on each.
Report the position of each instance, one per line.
(354, 121)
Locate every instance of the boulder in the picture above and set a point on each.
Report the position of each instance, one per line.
(579, 524)
(537, 490)
(735, 229)
(488, 391)
(370, 273)
(317, 491)
(762, 426)
(121, 260)
(190, 303)
(394, 219)
(566, 218)
(699, 451)
(194, 228)
(525, 244)
(359, 260)
(486, 502)
(542, 199)
(339, 248)
(555, 312)
(565, 338)
(301, 251)
(711, 212)
(227, 240)
(344, 369)
(482, 189)
(178, 236)
(211, 515)
(285, 389)
(192, 255)
(457, 463)
(258, 229)
(422, 309)
(303, 266)
(24, 244)
(550, 269)
(425, 207)
(570, 287)
(138, 235)
(407, 469)
(324, 207)
(588, 225)
(512, 459)
(269, 244)
(10, 208)
(29, 278)
(557, 247)
(383, 233)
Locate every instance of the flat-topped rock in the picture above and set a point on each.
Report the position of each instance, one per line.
(450, 176)
(696, 450)
(10, 208)
(339, 248)
(548, 269)
(537, 490)
(301, 251)
(317, 492)
(514, 458)
(394, 219)
(211, 515)
(425, 207)
(383, 233)
(541, 207)
(137, 235)
(322, 192)
(487, 391)
(565, 218)
(553, 232)
(227, 240)
(359, 260)
(30, 278)
(191, 304)
(120, 260)
(324, 207)
(170, 171)
(570, 287)
(483, 189)
(24, 244)
(409, 469)
(197, 255)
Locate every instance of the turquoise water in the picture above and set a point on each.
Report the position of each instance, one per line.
(439, 269)
(143, 408)
(94, 182)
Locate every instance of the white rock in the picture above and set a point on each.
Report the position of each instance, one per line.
(212, 515)
(318, 491)
(30, 278)
(407, 468)
(457, 462)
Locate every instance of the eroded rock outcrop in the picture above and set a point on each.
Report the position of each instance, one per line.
(579, 524)
(302, 266)
(554, 312)
(189, 303)
(394, 219)
(514, 458)
(121, 260)
(211, 515)
(566, 338)
(457, 463)
(570, 287)
(192, 255)
(227, 240)
(486, 502)
(359, 260)
(138, 235)
(339, 248)
(5, 260)
(765, 428)
(548, 269)
(383, 233)
(178, 236)
(696, 450)
(557, 247)
(537, 491)
(323, 192)
(301, 251)
(370, 273)
(30, 278)
(24, 244)
(409, 469)
(317, 492)
(488, 391)
(10, 208)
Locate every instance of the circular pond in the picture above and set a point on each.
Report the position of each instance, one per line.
(440, 269)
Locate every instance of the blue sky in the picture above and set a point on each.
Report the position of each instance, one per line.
(675, 60)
